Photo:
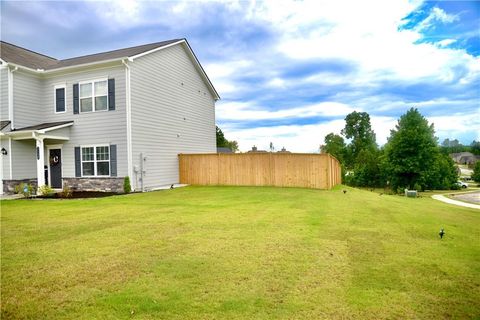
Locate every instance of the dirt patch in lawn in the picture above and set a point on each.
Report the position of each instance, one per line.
(80, 195)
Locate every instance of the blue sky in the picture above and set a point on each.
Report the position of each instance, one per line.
(289, 72)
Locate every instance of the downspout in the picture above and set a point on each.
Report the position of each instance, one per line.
(10, 97)
(129, 121)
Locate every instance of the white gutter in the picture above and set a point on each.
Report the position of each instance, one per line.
(43, 71)
(56, 127)
(128, 103)
(34, 132)
(18, 66)
(155, 50)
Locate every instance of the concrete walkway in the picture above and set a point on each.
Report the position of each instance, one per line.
(442, 198)
(10, 196)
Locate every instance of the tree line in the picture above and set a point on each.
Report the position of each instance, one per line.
(222, 142)
(411, 158)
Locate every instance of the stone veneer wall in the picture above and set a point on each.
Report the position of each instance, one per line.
(95, 184)
(9, 185)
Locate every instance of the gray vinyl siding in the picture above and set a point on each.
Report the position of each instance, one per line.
(172, 112)
(24, 164)
(93, 128)
(4, 94)
(27, 99)
(5, 160)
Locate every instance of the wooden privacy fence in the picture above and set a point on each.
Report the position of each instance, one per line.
(319, 171)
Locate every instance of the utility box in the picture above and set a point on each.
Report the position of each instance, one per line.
(410, 193)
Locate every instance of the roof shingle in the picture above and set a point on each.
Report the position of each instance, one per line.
(18, 55)
(4, 124)
(42, 126)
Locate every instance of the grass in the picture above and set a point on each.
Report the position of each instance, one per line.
(239, 253)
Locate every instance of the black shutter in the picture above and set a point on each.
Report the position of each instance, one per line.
(111, 94)
(75, 99)
(78, 163)
(113, 160)
(60, 100)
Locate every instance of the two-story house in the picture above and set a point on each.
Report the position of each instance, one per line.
(90, 121)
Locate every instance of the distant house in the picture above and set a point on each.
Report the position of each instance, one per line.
(224, 150)
(283, 151)
(88, 122)
(464, 158)
(255, 149)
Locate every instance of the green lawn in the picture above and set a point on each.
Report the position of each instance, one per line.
(239, 253)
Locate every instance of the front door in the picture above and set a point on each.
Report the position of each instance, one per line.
(55, 168)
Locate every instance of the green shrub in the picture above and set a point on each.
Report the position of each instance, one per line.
(66, 191)
(46, 191)
(25, 188)
(126, 185)
(455, 187)
(476, 172)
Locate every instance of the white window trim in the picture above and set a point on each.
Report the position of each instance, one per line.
(94, 146)
(59, 86)
(92, 82)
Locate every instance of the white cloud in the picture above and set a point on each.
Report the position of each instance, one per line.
(119, 13)
(300, 138)
(456, 125)
(445, 42)
(354, 32)
(308, 138)
(436, 15)
(295, 138)
(364, 34)
(246, 111)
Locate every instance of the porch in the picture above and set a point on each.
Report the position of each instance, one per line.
(34, 155)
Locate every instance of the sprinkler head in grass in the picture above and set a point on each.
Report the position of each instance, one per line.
(441, 233)
(344, 191)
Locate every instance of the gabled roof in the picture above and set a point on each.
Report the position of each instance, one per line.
(16, 55)
(4, 124)
(31, 59)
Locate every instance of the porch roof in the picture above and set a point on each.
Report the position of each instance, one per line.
(39, 131)
(46, 126)
(4, 124)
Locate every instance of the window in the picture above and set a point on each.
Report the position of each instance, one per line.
(60, 99)
(96, 161)
(94, 96)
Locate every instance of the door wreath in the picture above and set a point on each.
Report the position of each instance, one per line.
(54, 160)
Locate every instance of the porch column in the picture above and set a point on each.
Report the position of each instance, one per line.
(39, 154)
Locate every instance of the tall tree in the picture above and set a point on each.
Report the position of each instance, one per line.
(272, 148)
(221, 141)
(334, 145)
(446, 143)
(475, 147)
(443, 173)
(411, 151)
(359, 129)
(367, 171)
(233, 145)
(476, 172)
